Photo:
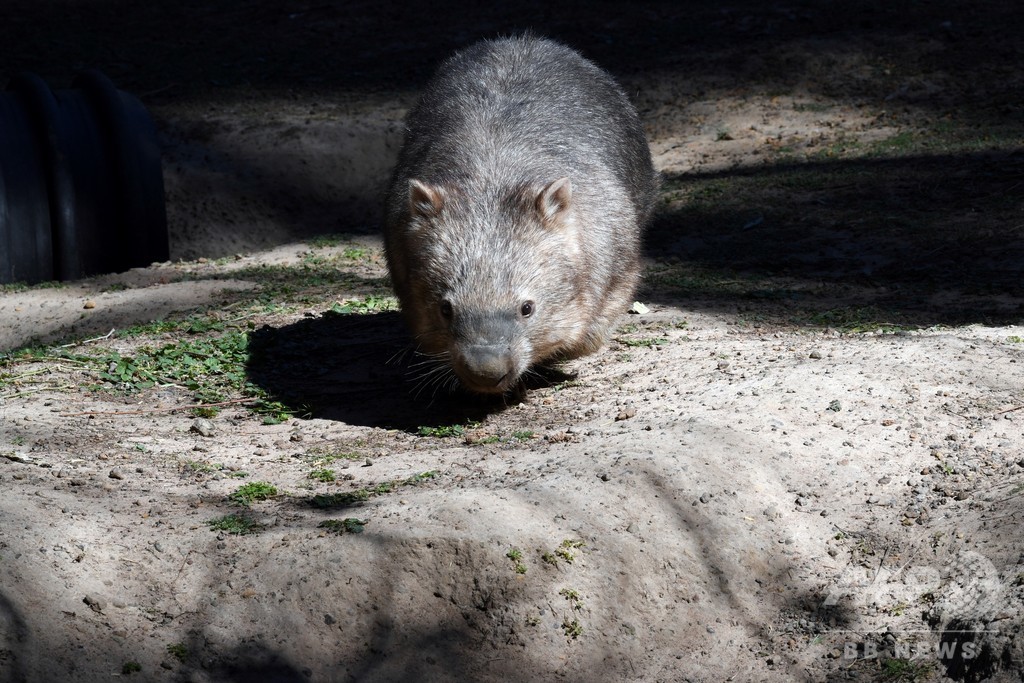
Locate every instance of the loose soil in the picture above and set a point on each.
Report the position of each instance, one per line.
(805, 461)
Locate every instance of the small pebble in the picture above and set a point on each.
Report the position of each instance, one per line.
(89, 304)
(94, 603)
(202, 427)
(116, 473)
(816, 354)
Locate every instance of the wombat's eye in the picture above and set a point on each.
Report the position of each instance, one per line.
(526, 310)
(446, 308)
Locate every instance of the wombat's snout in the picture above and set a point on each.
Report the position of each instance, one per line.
(482, 351)
(486, 367)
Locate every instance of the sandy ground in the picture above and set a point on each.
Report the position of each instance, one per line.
(723, 493)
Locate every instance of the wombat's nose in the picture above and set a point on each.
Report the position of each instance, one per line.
(485, 367)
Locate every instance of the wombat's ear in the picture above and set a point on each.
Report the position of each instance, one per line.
(425, 200)
(553, 201)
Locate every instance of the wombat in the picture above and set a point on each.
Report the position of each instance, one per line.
(513, 218)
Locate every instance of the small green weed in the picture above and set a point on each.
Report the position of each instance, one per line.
(253, 491)
(355, 253)
(323, 475)
(130, 668)
(202, 467)
(573, 596)
(239, 525)
(516, 555)
(564, 550)
(349, 525)
(348, 498)
(338, 500)
(442, 432)
(370, 304)
(854, 320)
(523, 435)
(178, 651)
(643, 343)
(1015, 339)
(905, 670)
(572, 628)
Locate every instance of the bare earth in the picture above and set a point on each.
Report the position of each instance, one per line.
(744, 485)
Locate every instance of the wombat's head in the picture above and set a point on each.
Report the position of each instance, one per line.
(489, 281)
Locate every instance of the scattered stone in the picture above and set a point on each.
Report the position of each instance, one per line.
(625, 414)
(329, 620)
(202, 427)
(705, 497)
(816, 354)
(95, 604)
(638, 308)
(89, 304)
(116, 473)
(802, 501)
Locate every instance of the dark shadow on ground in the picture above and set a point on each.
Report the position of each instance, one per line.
(923, 240)
(359, 369)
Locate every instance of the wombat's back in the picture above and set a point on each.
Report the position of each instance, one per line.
(513, 220)
(526, 107)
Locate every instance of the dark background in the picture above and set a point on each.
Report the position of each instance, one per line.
(931, 233)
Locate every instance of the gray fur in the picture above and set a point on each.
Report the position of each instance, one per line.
(525, 176)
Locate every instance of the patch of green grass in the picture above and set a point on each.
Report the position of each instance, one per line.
(348, 498)
(523, 435)
(202, 467)
(349, 525)
(130, 668)
(178, 651)
(442, 432)
(253, 491)
(549, 558)
(324, 241)
(212, 368)
(355, 253)
(643, 343)
(338, 500)
(516, 555)
(369, 304)
(899, 144)
(191, 325)
(572, 628)
(564, 550)
(815, 107)
(573, 596)
(855, 320)
(239, 525)
(1015, 339)
(323, 475)
(906, 671)
(321, 457)
(12, 287)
